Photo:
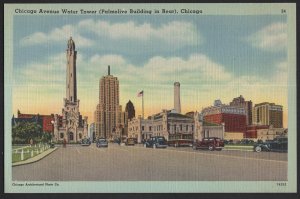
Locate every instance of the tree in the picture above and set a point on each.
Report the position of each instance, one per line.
(22, 132)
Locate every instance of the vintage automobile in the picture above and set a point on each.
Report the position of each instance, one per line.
(279, 144)
(156, 142)
(210, 143)
(129, 141)
(180, 142)
(101, 142)
(85, 142)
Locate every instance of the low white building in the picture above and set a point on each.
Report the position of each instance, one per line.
(166, 123)
(205, 129)
(271, 133)
(139, 128)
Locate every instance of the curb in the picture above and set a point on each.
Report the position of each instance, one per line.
(232, 149)
(34, 159)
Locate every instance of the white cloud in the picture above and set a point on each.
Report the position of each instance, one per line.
(175, 33)
(281, 73)
(49, 72)
(271, 38)
(157, 70)
(56, 35)
(184, 33)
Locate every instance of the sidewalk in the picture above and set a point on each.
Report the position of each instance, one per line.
(238, 148)
(35, 158)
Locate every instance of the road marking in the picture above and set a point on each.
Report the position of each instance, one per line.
(220, 155)
(121, 148)
(77, 150)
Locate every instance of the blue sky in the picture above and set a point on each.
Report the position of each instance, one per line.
(212, 57)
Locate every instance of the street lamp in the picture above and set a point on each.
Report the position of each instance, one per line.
(52, 122)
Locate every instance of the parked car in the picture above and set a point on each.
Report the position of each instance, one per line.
(129, 141)
(156, 142)
(279, 144)
(85, 142)
(117, 140)
(101, 142)
(52, 145)
(210, 143)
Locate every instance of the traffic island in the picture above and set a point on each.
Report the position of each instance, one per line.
(35, 158)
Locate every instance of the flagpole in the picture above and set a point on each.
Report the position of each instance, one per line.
(143, 104)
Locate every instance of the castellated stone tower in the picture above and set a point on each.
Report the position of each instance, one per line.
(71, 126)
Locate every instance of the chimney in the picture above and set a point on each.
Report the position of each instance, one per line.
(177, 105)
(108, 69)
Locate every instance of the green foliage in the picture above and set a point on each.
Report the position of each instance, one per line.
(23, 132)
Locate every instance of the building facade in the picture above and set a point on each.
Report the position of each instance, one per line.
(204, 129)
(233, 117)
(264, 132)
(173, 126)
(108, 109)
(247, 105)
(46, 121)
(92, 134)
(140, 128)
(71, 126)
(169, 124)
(268, 114)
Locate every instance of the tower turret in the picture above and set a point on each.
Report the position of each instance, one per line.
(71, 84)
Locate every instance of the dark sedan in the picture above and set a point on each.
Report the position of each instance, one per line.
(102, 142)
(85, 142)
(156, 142)
(129, 141)
(279, 144)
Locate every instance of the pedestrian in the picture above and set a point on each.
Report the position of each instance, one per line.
(64, 143)
(31, 142)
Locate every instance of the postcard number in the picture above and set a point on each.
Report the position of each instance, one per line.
(281, 184)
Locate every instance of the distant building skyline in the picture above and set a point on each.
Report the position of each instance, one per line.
(130, 110)
(267, 113)
(247, 105)
(233, 117)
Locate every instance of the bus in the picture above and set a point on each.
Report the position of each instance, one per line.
(180, 139)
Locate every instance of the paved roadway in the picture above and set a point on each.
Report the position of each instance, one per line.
(135, 163)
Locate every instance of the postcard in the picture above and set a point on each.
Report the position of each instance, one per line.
(150, 98)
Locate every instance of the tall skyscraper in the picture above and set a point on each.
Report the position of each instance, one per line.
(247, 105)
(177, 105)
(268, 114)
(71, 126)
(108, 108)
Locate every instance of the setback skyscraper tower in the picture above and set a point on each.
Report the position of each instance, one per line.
(107, 120)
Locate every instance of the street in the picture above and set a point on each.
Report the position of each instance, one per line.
(135, 163)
